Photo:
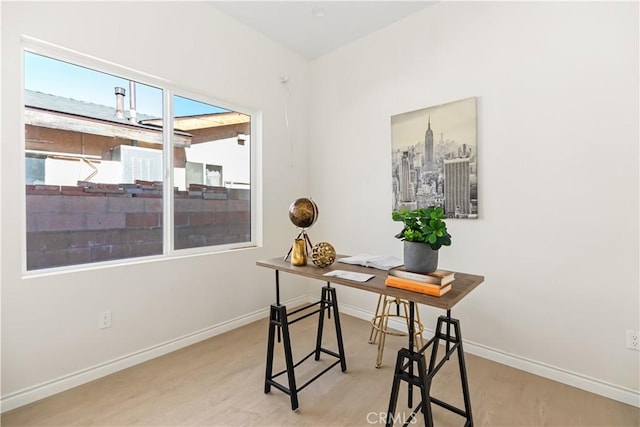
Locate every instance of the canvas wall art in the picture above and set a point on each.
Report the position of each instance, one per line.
(434, 159)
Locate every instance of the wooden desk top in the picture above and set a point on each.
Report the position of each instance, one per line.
(461, 286)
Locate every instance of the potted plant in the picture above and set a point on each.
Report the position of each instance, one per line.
(424, 233)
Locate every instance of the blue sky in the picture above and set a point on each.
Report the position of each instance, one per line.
(60, 78)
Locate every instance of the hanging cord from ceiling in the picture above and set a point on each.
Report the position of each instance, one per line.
(284, 80)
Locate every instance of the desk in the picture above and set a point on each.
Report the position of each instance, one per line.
(408, 358)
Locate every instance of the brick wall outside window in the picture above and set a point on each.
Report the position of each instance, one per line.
(99, 222)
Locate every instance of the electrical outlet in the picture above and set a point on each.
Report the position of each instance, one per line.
(104, 321)
(633, 340)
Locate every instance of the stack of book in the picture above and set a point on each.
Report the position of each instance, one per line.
(436, 284)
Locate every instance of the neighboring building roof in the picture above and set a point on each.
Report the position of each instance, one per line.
(61, 104)
(204, 121)
(52, 111)
(44, 109)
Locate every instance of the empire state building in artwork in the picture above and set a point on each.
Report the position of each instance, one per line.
(428, 148)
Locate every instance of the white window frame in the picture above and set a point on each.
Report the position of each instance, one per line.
(169, 89)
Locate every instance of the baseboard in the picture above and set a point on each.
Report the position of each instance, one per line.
(574, 379)
(40, 391)
(593, 385)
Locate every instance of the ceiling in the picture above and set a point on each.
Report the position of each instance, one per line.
(313, 28)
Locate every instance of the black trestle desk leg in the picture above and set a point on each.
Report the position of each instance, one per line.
(411, 332)
(329, 309)
(278, 299)
(463, 374)
(273, 320)
(288, 356)
(425, 389)
(324, 303)
(395, 387)
(457, 340)
(436, 343)
(331, 293)
(330, 301)
(278, 316)
(448, 331)
(406, 357)
(404, 372)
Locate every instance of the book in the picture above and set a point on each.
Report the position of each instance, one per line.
(403, 281)
(420, 287)
(438, 277)
(374, 261)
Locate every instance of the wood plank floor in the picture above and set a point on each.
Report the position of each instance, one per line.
(219, 382)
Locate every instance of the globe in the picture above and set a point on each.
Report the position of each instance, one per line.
(303, 212)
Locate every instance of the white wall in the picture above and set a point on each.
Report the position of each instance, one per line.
(226, 153)
(557, 238)
(50, 338)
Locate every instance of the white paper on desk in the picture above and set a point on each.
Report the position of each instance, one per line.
(349, 275)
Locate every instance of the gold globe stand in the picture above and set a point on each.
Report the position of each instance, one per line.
(302, 235)
(303, 213)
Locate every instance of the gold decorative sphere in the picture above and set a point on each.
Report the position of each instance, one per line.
(323, 254)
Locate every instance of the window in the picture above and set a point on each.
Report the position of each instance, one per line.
(215, 170)
(98, 185)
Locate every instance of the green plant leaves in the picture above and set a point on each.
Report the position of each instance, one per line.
(423, 225)
(436, 213)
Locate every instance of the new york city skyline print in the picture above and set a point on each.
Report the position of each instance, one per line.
(434, 159)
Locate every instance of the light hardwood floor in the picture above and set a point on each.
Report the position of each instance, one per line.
(219, 382)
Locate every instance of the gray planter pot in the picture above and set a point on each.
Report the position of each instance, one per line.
(419, 257)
